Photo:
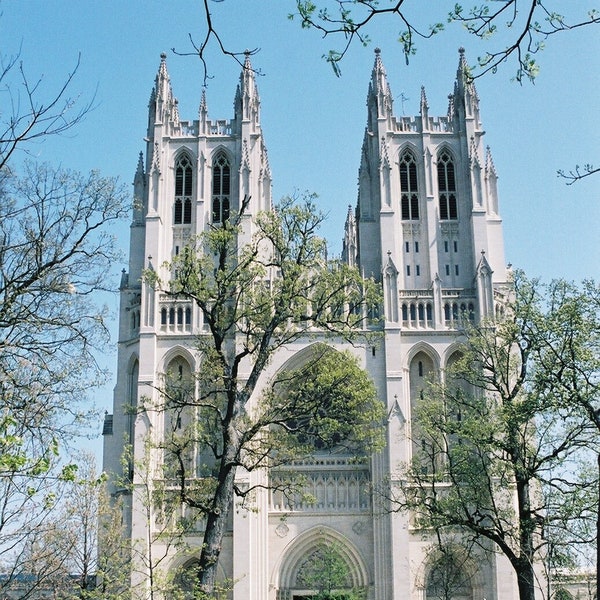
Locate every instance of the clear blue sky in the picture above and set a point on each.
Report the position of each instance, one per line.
(313, 122)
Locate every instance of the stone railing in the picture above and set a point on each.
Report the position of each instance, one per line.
(415, 124)
(220, 127)
(174, 315)
(330, 484)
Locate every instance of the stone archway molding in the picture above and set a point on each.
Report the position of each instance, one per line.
(285, 571)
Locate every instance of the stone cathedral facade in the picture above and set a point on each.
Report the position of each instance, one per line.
(426, 226)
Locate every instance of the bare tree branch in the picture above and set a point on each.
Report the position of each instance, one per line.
(578, 173)
(25, 117)
(212, 33)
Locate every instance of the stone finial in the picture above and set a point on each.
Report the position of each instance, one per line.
(162, 69)
(450, 105)
(473, 152)
(384, 155)
(490, 168)
(156, 159)
(424, 103)
(424, 110)
(140, 165)
(175, 112)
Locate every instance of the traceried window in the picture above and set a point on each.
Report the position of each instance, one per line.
(183, 191)
(221, 188)
(409, 197)
(447, 187)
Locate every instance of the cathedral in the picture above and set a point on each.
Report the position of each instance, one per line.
(426, 227)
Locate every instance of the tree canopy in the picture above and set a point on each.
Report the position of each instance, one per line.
(55, 259)
(256, 298)
(507, 445)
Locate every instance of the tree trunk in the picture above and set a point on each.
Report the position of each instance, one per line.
(598, 535)
(216, 519)
(524, 564)
(213, 534)
(525, 580)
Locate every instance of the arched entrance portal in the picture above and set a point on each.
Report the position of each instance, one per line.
(322, 564)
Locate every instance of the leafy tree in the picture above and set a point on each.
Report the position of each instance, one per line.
(327, 572)
(580, 322)
(61, 556)
(164, 527)
(505, 443)
(528, 27)
(255, 298)
(113, 562)
(55, 257)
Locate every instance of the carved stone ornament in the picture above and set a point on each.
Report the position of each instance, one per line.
(282, 530)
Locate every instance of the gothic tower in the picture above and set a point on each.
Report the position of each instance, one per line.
(194, 174)
(426, 226)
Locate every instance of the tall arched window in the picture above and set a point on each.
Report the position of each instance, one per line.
(409, 198)
(448, 579)
(421, 372)
(183, 191)
(221, 188)
(178, 398)
(447, 187)
(132, 402)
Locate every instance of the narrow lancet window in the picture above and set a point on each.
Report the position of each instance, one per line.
(409, 198)
(183, 191)
(221, 189)
(447, 187)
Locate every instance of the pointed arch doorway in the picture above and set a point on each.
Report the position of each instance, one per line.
(322, 565)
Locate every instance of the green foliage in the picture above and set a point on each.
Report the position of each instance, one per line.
(326, 571)
(508, 440)
(329, 404)
(56, 254)
(258, 294)
(55, 258)
(492, 22)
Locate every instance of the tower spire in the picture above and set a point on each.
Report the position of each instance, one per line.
(162, 104)
(491, 179)
(466, 101)
(247, 102)
(162, 85)
(379, 100)
(350, 247)
(203, 108)
(139, 191)
(490, 168)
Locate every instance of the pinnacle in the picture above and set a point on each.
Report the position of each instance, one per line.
(424, 103)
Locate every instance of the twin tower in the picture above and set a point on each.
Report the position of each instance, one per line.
(426, 226)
